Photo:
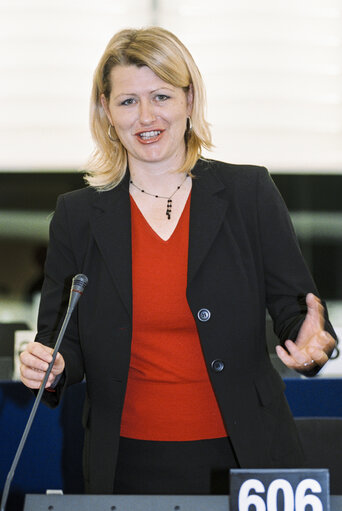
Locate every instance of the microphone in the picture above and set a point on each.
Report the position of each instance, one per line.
(78, 285)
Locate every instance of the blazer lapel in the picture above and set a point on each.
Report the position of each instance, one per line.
(111, 225)
(207, 211)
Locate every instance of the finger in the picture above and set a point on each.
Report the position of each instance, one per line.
(315, 310)
(299, 355)
(314, 353)
(291, 363)
(33, 384)
(328, 342)
(285, 357)
(33, 378)
(322, 342)
(31, 374)
(295, 358)
(318, 356)
(58, 366)
(40, 350)
(45, 353)
(33, 362)
(321, 347)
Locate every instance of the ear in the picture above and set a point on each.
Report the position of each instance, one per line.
(105, 107)
(190, 99)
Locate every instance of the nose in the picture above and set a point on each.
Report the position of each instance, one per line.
(146, 112)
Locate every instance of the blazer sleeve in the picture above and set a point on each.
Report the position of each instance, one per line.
(287, 278)
(60, 267)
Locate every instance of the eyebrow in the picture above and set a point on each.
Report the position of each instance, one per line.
(135, 94)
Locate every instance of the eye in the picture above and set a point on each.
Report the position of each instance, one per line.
(161, 97)
(128, 101)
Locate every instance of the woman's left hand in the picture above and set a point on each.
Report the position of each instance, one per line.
(313, 345)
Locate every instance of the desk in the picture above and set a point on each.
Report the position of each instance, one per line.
(139, 503)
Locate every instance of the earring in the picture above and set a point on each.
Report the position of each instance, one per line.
(110, 134)
(188, 124)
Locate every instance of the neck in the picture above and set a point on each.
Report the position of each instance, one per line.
(156, 180)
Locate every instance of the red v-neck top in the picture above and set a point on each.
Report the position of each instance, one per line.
(169, 396)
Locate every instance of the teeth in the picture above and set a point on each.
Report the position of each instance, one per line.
(149, 134)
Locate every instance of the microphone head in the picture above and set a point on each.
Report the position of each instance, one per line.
(79, 282)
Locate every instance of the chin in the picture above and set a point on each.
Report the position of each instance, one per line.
(153, 157)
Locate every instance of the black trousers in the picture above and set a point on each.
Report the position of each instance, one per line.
(198, 467)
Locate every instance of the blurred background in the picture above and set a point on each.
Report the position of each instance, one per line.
(273, 71)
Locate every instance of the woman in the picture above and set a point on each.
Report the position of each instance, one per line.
(183, 256)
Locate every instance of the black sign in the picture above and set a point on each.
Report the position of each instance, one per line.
(279, 490)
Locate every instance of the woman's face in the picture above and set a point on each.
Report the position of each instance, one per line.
(149, 116)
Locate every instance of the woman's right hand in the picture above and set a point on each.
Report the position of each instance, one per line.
(35, 360)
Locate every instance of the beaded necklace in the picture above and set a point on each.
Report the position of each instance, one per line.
(169, 198)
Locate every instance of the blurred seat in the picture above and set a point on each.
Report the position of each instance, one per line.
(322, 443)
(7, 331)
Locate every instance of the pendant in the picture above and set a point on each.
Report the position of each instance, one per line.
(169, 208)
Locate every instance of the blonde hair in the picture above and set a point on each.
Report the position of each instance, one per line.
(169, 59)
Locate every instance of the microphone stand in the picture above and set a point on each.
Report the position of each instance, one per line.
(78, 284)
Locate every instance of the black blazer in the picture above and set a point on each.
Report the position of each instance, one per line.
(243, 257)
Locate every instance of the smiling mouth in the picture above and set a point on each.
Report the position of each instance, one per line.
(149, 136)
